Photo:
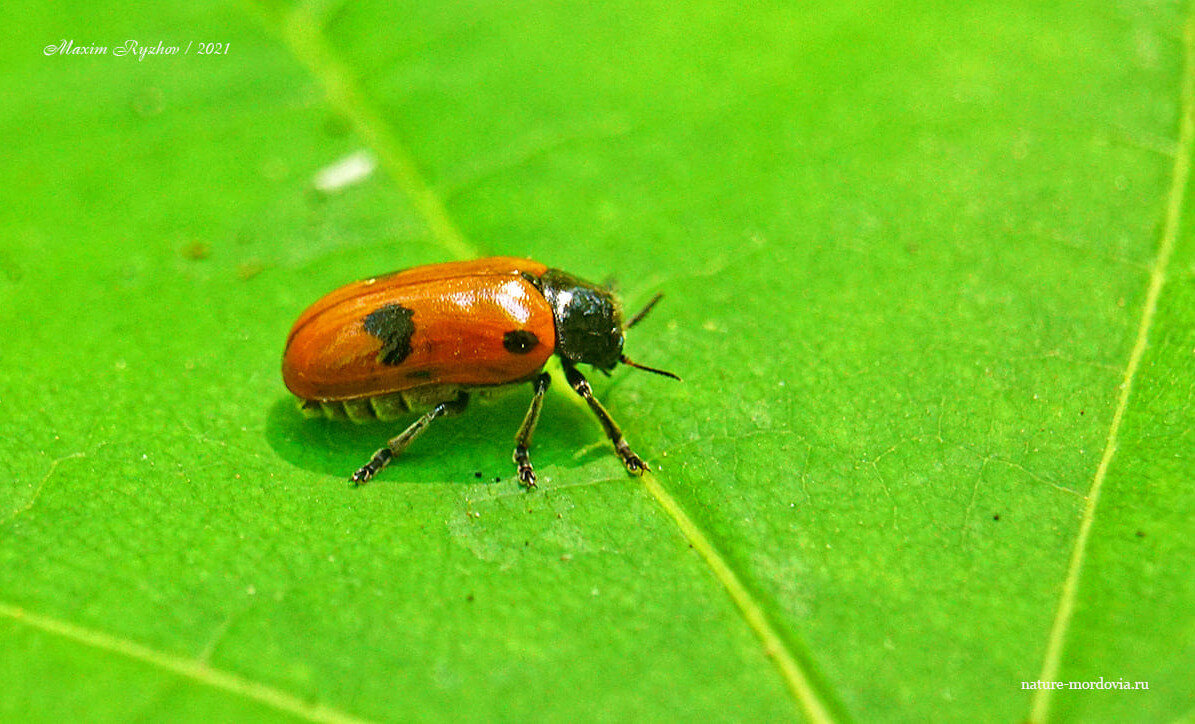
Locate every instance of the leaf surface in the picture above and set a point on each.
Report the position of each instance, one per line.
(909, 255)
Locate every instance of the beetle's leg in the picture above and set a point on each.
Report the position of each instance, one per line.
(527, 429)
(577, 381)
(399, 443)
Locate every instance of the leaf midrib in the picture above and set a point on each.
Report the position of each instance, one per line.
(302, 33)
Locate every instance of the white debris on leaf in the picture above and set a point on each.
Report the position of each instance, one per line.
(351, 169)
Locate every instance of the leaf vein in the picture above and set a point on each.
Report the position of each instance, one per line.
(794, 674)
(17, 512)
(302, 34)
(195, 670)
(1040, 704)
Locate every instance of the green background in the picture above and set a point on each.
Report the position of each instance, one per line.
(907, 251)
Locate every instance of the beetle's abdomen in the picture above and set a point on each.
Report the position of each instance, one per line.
(396, 405)
(380, 407)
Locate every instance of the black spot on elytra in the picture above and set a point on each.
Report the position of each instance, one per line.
(519, 341)
(421, 374)
(392, 324)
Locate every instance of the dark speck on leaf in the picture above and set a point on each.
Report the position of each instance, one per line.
(336, 127)
(196, 251)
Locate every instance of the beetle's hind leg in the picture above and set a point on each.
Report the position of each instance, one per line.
(527, 429)
(400, 442)
(634, 464)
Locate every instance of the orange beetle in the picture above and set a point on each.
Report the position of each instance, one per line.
(429, 336)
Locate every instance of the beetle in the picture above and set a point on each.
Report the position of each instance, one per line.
(430, 337)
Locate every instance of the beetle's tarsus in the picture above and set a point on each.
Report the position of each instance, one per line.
(633, 463)
(366, 472)
(526, 473)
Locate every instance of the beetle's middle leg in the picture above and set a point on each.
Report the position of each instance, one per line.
(527, 429)
(400, 442)
(634, 464)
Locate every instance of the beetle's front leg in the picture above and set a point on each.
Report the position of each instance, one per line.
(634, 464)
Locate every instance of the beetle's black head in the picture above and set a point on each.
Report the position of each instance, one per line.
(588, 320)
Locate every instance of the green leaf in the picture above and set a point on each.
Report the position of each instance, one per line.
(928, 279)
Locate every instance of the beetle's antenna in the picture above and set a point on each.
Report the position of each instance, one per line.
(645, 368)
(643, 312)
